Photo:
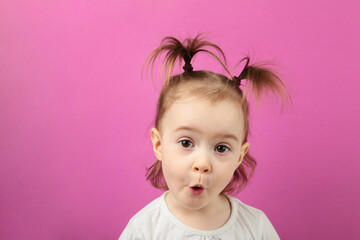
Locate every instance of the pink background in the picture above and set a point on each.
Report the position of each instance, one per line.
(75, 113)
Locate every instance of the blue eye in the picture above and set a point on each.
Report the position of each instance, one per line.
(186, 143)
(222, 148)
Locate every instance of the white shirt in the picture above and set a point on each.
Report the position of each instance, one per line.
(156, 222)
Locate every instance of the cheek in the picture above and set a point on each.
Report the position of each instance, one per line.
(174, 158)
(224, 173)
(174, 168)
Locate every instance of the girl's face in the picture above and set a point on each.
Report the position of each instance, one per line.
(200, 148)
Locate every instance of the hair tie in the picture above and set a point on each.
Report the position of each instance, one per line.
(243, 73)
(187, 67)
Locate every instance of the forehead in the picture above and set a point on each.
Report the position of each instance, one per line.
(205, 116)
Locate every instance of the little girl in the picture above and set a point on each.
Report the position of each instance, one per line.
(202, 152)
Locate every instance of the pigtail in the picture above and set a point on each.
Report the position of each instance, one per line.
(176, 51)
(261, 79)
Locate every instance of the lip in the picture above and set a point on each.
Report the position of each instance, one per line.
(197, 189)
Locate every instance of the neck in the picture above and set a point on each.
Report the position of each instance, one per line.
(210, 217)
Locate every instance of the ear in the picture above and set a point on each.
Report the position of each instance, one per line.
(244, 150)
(156, 141)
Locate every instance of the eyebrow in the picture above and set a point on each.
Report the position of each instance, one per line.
(226, 135)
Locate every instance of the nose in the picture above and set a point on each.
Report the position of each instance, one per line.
(202, 164)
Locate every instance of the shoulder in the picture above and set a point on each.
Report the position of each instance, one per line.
(247, 210)
(254, 220)
(149, 212)
(143, 221)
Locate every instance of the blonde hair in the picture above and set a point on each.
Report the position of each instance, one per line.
(212, 86)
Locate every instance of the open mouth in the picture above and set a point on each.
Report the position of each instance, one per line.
(196, 190)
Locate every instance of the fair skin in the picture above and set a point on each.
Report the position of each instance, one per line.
(199, 143)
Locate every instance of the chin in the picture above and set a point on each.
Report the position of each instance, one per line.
(193, 202)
